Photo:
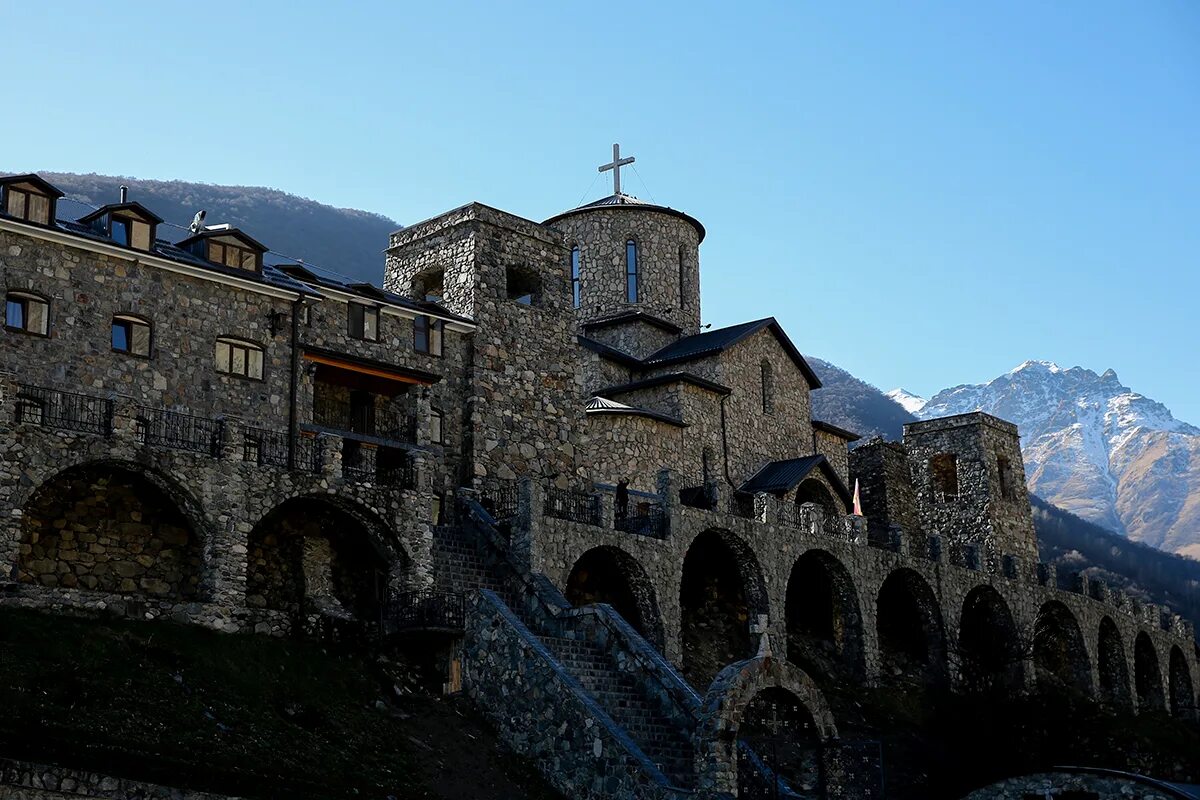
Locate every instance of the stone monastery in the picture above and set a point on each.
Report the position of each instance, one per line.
(615, 529)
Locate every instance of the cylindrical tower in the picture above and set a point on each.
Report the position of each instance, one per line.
(627, 256)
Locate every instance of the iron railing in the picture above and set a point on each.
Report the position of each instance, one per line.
(499, 498)
(178, 431)
(648, 520)
(270, 448)
(54, 408)
(702, 496)
(572, 506)
(741, 504)
(424, 608)
(369, 420)
(384, 466)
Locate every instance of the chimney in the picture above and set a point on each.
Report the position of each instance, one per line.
(124, 194)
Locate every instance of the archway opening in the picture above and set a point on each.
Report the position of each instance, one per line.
(812, 490)
(1147, 675)
(824, 624)
(990, 654)
(1183, 694)
(110, 528)
(1060, 657)
(782, 733)
(610, 575)
(909, 624)
(720, 592)
(1112, 667)
(310, 554)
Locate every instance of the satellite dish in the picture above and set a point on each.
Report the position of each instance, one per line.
(197, 222)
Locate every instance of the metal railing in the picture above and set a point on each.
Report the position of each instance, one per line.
(647, 521)
(270, 448)
(500, 498)
(424, 608)
(385, 423)
(741, 504)
(54, 408)
(572, 506)
(702, 496)
(178, 431)
(384, 466)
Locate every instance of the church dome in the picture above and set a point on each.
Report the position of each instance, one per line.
(628, 201)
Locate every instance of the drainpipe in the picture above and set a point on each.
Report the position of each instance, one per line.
(293, 418)
(725, 441)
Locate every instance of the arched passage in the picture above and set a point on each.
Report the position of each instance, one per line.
(783, 734)
(1060, 656)
(812, 490)
(1112, 666)
(990, 654)
(610, 575)
(824, 622)
(317, 553)
(109, 526)
(721, 592)
(1147, 675)
(1183, 694)
(909, 624)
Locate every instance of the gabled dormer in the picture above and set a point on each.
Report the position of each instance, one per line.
(29, 199)
(226, 246)
(129, 224)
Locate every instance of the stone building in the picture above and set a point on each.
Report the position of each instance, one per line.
(526, 442)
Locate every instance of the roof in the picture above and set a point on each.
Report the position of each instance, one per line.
(849, 436)
(659, 380)
(132, 206)
(633, 316)
(602, 405)
(701, 345)
(36, 180)
(628, 201)
(236, 233)
(611, 353)
(782, 476)
(305, 274)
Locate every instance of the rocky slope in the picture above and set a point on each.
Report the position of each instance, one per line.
(856, 405)
(1095, 448)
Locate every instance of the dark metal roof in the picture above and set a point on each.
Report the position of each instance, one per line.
(36, 180)
(132, 206)
(633, 316)
(659, 380)
(700, 345)
(849, 436)
(611, 353)
(236, 233)
(628, 201)
(778, 477)
(306, 274)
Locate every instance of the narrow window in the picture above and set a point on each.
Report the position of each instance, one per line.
(575, 276)
(28, 313)
(435, 337)
(631, 271)
(139, 235)
(768, 388)
(364, 322)
(118, 230)
(235, 357)
(682, 294)
(943, 475)
(435, 426)
(1004, 466)
(131, 335)
(421, 334)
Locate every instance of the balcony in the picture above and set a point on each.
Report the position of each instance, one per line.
(383, 466)
(366, 419)
(70, 411)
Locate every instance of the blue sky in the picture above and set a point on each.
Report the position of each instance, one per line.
(926, 194)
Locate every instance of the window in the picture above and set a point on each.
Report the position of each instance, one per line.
(131, 335)
(768, 388)
(28, 313)
(435, 427)
(427, 335)
(1004, 466)
(235, 357)
(682, 293)
(27, 205)
(523, 286)
(631, 271)
(943, 476)
(575, 276)
(430, 286)
(230, 255)
(129, 232)
(364, 322)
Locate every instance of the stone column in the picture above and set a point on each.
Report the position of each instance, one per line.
(526, 528)
(668, 492)
(330, 448)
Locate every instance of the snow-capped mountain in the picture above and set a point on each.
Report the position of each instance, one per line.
(908, 401)
(1096, 448)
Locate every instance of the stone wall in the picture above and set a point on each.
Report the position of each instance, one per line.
(1078, 785)
(21, 780)
(835, 450)
(885, 487)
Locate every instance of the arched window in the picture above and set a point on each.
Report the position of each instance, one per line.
(236, 357)
(768, 388)
(27, 312)
(631, 271)
(682, 293)
(575, 276)
(131, 335)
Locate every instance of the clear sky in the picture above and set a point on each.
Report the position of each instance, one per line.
(926, 194)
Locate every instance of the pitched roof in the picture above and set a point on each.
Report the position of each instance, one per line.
(633, 316)
(36, 180)
(782, 476)
(236, 233)
(132, 206)
(849, 436)
(700, 345)
(659, 380)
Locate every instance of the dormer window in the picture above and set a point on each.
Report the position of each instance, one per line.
(226, 246)
(228, 254)
(30, 199)
(129, 232)
(129, 225)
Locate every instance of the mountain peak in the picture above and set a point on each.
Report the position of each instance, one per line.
(1037, 366)
(910, 402)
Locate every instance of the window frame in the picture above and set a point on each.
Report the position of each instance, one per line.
(434, 331)
(356, 327)
(944, 480)
(233, 342)
(767, 380)
(437, 414)
(26, 195)
(633, 278)
(576, 271)
(24, 297)
(129, 321)
(212, 242)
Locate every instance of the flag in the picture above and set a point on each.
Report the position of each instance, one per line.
(857, 501)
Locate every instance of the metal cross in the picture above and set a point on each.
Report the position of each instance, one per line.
(615, 166)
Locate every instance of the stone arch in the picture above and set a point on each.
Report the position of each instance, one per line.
(726, 702)
(1183, 694)
(823, 615)
(812, 490)
(1147, 675)
(109, 525)
(610, 575)
(1112, 666)
(1060, 656)
(908, 621)
(990, 655)
(721, 593)
(322, 553)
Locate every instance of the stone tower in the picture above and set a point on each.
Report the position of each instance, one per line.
(969, 482)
